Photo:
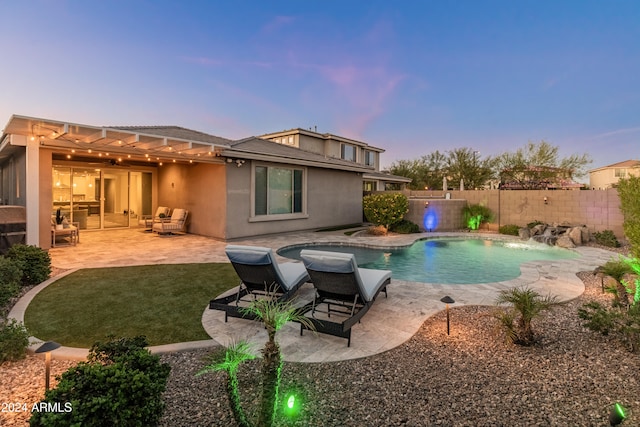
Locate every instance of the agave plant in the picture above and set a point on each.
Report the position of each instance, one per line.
(526, 305)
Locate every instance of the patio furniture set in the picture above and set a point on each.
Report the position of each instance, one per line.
(340, 287)
(166, 222)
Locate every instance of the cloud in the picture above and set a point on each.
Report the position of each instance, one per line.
(623, 131)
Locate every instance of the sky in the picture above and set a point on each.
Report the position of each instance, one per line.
(411, 77)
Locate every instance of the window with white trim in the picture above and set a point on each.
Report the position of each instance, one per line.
(369, 158)
(348, 152)
(278, 190)
(620, 173)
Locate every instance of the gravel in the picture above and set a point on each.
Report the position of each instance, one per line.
(469, 378)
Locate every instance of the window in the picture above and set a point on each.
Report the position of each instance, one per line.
(620, 173)
(278, 190)
(348, 152)
(369, 158)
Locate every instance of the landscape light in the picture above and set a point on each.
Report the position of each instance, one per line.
(616, 415)
(291, 404)
(47, 348)
(447, 300)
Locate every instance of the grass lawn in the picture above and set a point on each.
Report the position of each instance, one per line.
(163, 302)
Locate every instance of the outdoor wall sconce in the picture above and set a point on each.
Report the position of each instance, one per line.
(447, 300)
(546, 200)
(426, 205)
(47, 348)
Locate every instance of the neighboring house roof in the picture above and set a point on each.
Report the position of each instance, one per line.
(261, 149)
(623, 164)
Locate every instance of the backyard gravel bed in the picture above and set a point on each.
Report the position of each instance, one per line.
(470, 378)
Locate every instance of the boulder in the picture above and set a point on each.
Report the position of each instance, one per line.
(586, 234)
(575, 234)
(524, 233)
(565, 241)
(538, 229)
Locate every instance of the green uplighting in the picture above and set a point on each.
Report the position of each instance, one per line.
(291, 405)
(617, 415)
(620, 410)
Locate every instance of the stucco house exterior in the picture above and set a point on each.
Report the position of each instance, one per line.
(108, 176)
(608, 176)
(348, 149)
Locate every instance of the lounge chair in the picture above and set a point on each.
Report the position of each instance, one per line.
(346, 289)
(147, 221)
(176, 223)
(261, 276)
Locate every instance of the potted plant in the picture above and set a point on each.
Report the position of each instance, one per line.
(59, 219)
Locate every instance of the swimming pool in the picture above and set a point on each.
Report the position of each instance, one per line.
(448, 261)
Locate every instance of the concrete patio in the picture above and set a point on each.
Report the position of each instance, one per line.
(390, 322)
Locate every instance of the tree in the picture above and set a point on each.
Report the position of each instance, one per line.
(465, 164)
(539, 165)
(425, 172)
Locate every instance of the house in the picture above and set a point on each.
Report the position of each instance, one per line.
(338, 147)
(608, 176)
(105, 177)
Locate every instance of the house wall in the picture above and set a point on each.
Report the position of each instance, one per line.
(199, 188)
(333, 198)
(599, 210)
(310, 143)
(606, 178)
(45, 198)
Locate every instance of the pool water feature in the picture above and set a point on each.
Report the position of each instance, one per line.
(448, 261)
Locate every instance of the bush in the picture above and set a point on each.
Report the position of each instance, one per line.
(385, 209)
(534, 223)
(606, 238)
(618, 321)
(629, 192)
(10, 276)
(14, 340)
(121, 384)
(405, 227)
(510, 229)
(34, 262)
(474, 215)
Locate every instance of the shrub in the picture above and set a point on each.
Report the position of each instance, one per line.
(510, 229)
(526, 305)
(629, 192)
(474, 215)
(606, 238)
(120, 384)
(10, 276)
(405, 227)
(534, 223)
(385, 209)
(14, 339)
(34, 262)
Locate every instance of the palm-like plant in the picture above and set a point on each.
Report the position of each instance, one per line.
(274, 314)
(526, 305)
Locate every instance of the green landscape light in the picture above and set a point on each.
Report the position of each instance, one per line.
(617, 415)
(291, 405)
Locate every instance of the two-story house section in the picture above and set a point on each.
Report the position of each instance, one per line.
(608, 176)
(338, 147)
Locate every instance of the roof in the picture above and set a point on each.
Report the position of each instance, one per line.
(319, 135)
(175, 132)
(256, 148)
(623, 164)
(381, 176)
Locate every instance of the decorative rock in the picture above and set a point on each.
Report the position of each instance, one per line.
(586, 234)
(565, 241)
(575, 234)
(538, 229)
(524, 233)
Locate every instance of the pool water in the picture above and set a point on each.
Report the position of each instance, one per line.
(448, 261)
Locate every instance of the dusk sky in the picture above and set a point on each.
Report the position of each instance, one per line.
(411, 77)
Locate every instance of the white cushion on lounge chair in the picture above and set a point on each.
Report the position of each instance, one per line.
(369, 281)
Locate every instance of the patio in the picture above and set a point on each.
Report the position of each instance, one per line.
(390, 322)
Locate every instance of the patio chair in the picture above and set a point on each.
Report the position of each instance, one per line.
(346, 290)
(261, 276)
(176, 223)
(147, 221)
